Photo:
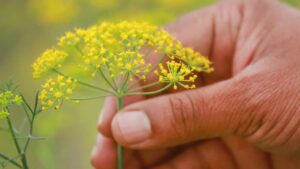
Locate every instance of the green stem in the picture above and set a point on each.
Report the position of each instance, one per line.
(125, 81)
(120, 148)
(26, 104)
(94, 87)
(106, 80)
(34, 114)
(10, 160)
(90, 98)
(150, 71)
(83, 83)
(23, 157)
(145, 87)
(30, 134)
(149, 93)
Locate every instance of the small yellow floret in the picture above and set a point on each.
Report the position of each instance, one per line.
(58, 94)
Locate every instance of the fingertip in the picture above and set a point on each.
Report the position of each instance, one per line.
(104, 126)
(107, 113)
(104, 130)
(104, 153)
(116, 132)
(130, 128)
(94, 154)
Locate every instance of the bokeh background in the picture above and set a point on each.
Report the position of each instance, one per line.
(28, 27)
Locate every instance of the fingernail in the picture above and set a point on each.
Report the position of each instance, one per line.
(97, 148)
(99, 140)
(134, 126)
(94, 151)
(100, 120)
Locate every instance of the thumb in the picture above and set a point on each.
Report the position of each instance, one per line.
(212, 111)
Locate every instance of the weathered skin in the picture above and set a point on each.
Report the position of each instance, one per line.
(246, 116)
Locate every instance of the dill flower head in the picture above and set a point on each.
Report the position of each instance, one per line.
(122, 47)
(50, 59)
(118, 54)
(55, 91)
(7, 99)
(177, 74)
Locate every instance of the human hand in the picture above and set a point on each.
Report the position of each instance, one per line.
(247, 113)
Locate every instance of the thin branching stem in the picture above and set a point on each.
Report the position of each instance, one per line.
(149, 93)
(84, 83)
(150, 71)
(23, 157)
(13, 134)
(145, 86)
(31, 124)
(124, 85)
(79, 50)
(26, 104)
(26, 112)
(106, 80)
(91, 98)
(11, 160)
(31, 137)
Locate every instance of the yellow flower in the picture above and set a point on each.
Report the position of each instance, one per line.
(119, 54)
(195, 60)
(176, 73)
(53, 92)
(49, 60)
(4, 114)
(7, 99)
(119, 48)
(58, 95)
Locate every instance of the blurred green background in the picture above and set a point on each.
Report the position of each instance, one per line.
(28, 27)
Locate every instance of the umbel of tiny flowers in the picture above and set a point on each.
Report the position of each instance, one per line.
(8, 100)
(117, 54)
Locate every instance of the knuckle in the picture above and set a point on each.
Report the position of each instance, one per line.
(182, 109)
(252, 96)
(270, 114)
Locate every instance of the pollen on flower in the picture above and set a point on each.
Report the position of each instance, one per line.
(53, 93)
(49, 60)
(177, 73)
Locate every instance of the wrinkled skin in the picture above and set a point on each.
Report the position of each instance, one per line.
(246, 115)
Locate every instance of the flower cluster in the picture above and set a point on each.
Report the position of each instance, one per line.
(119, 53)
(7, 99)
(55, 91)
(176, 73)
(195, 60)
(49, 60)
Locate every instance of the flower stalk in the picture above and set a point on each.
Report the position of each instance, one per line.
(120, 147)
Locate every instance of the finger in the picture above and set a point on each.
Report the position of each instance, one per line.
(104, 153)
(212, 31)
(246, 155)
(211, 111)
(204, 155)
(109, 110)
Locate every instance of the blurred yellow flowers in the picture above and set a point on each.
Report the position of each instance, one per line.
(8, 98)
(55, 91)
(50, 59)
